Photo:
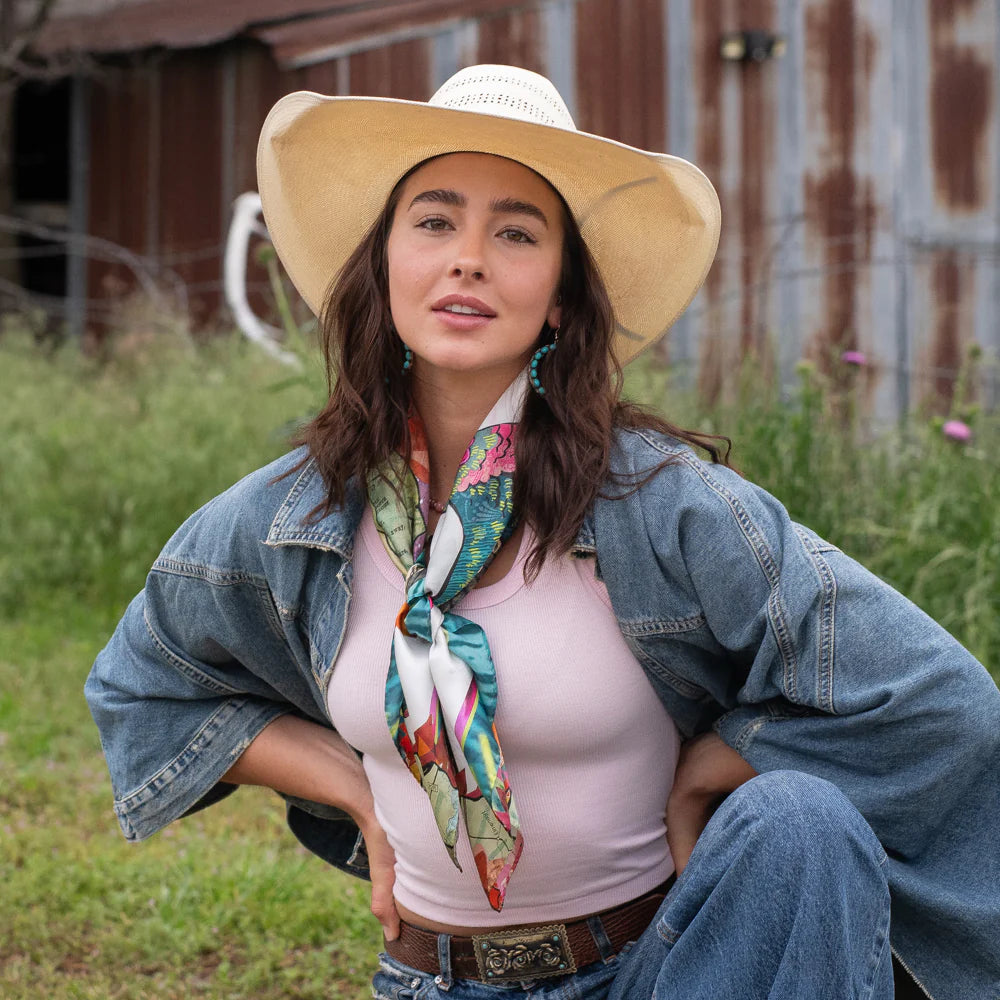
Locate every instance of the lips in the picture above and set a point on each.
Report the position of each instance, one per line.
(463, 305)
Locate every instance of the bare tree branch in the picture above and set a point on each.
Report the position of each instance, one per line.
(14, 70)
(24, 37)
(17, 61)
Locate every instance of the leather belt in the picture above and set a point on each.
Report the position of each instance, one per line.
(533, 952)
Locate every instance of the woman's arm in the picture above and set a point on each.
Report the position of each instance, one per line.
(300, 758)
(707, 771)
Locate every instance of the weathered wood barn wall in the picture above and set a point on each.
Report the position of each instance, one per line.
(858, 171)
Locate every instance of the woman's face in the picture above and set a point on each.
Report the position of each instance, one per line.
(475, 254)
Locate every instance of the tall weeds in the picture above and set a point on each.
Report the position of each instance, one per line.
(101, 459)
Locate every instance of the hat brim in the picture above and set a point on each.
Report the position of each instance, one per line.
(326, 165)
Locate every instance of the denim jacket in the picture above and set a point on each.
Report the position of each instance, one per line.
(742, 620)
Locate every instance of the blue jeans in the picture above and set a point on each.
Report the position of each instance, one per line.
(785, 897)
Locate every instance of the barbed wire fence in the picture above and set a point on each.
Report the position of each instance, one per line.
(163, 286)
(169, 293)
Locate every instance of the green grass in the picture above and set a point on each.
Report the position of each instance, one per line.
(101, 459)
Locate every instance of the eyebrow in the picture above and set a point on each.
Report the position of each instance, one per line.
(512, 206)
(501, 206)
(441, 196)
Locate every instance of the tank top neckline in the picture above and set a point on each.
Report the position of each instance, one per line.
(479, 597)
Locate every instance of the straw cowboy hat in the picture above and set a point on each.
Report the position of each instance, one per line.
(326, 165)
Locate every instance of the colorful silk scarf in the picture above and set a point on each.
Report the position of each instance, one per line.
(441, 689)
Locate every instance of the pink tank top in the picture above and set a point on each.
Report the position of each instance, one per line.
(590, 750)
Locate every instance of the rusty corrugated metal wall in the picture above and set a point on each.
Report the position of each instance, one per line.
(858, 177)
(858, 173)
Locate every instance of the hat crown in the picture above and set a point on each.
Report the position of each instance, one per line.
(505, 91)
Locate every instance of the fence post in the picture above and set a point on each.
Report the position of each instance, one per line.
(79, 205)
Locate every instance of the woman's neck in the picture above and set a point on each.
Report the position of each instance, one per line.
(452, 412)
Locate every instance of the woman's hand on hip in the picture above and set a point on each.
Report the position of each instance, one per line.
(707, 771)
(382, 869)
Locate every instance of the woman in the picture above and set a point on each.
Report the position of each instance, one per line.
(489, 753)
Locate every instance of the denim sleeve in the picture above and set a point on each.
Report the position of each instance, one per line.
(171, 722)
(838, 673)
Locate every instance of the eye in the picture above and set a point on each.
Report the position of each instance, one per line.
(514, 235)
(434, 224)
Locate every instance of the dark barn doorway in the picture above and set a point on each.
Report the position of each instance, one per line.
(41, 180)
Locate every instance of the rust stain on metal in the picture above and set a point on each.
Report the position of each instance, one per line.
(259, 84)
(756, 140)
(321, 77)
(961, 105)
(841, 207)
(401, 70)
(190, 197)
(707, 28)
(868, 50)
(119, 155)
(620, 71)
(512, 38)
(956, 6)
(120, 168)
(948, 283)
(300, 40)
(597, 48)
(829, 198)
(642, 74)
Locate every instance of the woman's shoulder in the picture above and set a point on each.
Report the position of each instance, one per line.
(639, 445)
(666, 466)
(262, 492)
(677, 489)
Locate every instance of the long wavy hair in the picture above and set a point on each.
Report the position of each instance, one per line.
(564, 439)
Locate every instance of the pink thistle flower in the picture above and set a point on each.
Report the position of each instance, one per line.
(957, 430)
(857, 358)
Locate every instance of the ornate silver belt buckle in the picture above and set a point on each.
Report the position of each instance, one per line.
(531, 953)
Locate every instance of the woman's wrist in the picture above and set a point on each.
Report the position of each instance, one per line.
(707, 768)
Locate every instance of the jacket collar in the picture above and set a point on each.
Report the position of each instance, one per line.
(334, 532)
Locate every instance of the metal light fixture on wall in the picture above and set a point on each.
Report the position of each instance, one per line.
(751, 46)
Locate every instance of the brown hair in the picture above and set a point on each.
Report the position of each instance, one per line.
(564, 440)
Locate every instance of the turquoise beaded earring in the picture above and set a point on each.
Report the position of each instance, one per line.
(407, 359)
(539, 356)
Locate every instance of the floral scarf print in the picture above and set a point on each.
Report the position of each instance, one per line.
(441, 688)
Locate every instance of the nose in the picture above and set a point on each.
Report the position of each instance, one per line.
(470, 259)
